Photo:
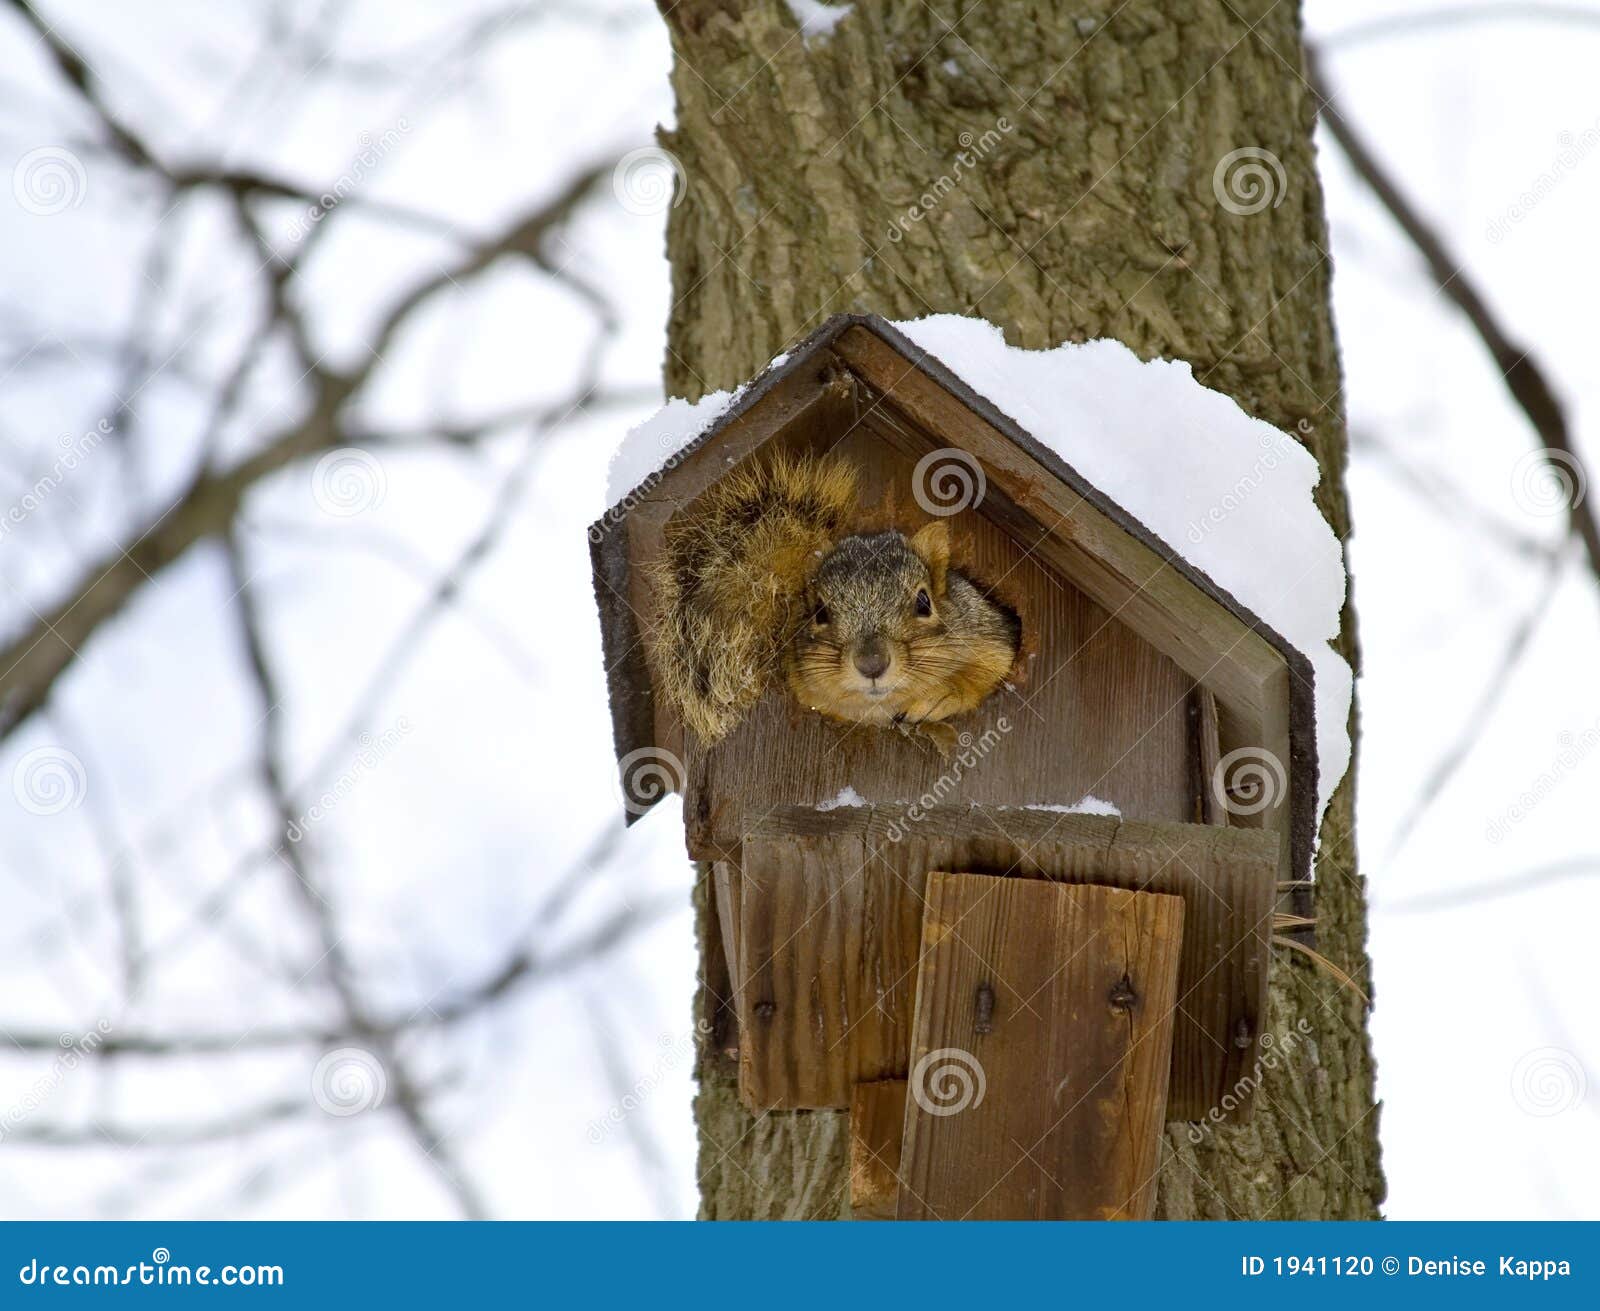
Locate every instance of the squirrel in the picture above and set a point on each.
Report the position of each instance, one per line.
(868, 628)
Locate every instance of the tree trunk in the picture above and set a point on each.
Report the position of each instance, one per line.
(1067, 173)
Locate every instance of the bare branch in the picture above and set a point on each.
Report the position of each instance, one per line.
(407, 1096)
(1524, 378)
(102, 1133)
(1560, 871)
(1455, 755)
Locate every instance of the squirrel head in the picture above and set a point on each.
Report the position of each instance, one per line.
(890, 633)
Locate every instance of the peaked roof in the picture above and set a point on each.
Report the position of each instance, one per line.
(628, 676)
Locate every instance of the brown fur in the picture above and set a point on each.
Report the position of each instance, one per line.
(731, 577)
(759, 560)
(939, 665)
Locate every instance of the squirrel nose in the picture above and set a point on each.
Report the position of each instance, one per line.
(871, 659)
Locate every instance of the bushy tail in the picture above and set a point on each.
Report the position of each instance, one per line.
(730, 579)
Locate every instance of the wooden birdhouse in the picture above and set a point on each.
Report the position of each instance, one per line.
(1012, 961)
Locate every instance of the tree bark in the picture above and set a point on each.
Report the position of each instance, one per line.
(1070, 160)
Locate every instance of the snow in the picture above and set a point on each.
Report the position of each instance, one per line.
(847, 796)
(817, 21)
(1229, 493)
(651, 447)
(1087, 805)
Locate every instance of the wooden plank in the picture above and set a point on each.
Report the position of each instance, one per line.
(719, 1009)
(877, 1120)
(1040, 1051)
(812, 1020)
(843, 1004)
(1208, 754)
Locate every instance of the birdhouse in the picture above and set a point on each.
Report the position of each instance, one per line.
(1015, 958)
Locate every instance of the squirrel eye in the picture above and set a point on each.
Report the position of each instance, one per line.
(821, 617)
(924, 603)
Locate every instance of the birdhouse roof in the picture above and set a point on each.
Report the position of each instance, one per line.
(1189, 520)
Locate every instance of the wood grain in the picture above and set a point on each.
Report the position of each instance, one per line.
(1040, 1051)
(831, 906)
(877, 1121)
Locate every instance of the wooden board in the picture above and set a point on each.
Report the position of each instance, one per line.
(830, 911)
(1040, 1051)
(877, 1120)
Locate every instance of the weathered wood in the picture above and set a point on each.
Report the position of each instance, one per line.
(1208, 754)
(830, 928)
(718, 1006)
(822, 1004)
(877, 1120)
(1040, 1051)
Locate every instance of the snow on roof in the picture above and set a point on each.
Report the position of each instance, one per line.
(1229, 493)
(817, 20)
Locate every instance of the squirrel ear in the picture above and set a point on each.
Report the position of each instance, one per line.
(932, 543)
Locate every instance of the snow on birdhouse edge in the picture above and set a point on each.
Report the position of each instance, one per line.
(1233, 497)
